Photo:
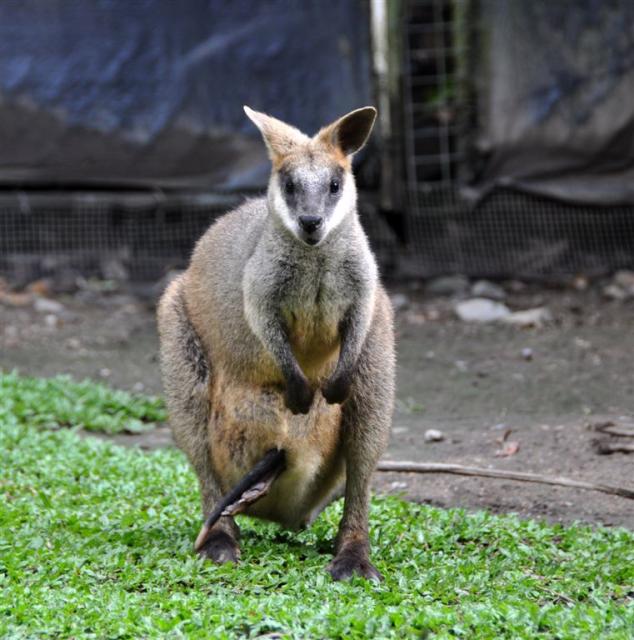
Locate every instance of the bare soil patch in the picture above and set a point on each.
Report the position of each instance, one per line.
(481, 385)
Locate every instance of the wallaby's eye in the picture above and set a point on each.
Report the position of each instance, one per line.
(289, 187)
(334, 186)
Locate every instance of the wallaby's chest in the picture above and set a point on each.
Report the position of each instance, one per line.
(312, 309)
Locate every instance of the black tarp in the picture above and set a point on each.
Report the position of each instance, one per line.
(150, 92)
(554, 87)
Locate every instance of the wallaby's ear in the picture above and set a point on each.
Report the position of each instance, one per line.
(280, 138)
(351, 131)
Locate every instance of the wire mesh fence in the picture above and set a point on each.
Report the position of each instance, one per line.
(142, 235)
(138, 236)
(122, 236)
(516, 235)
(507, 233)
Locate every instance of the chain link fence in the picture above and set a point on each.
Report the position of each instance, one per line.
(506, 233)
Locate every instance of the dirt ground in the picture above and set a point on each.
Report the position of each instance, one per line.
(485, 387)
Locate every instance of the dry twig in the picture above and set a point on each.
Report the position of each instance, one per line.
(521, 476)
(613, 429)
(606, 447)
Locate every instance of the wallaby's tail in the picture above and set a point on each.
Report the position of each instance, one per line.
(253, 486)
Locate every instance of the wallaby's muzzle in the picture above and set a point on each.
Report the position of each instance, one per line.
(310, 224)
(311, 229)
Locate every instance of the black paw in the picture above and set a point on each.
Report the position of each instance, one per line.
(298, 396)
(220, 547)
(353, 560)
(336, 390)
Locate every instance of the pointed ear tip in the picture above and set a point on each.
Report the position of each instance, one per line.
(253, 115)
(367, 114)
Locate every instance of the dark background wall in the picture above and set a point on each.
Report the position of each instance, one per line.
(150, 92)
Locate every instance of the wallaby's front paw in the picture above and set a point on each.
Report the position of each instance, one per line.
(298, 397)
(353, 559)
(220, 547)
(336, 390)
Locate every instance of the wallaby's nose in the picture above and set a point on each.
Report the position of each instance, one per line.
(310, 224)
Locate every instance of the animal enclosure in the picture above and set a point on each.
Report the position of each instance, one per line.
(491, 175)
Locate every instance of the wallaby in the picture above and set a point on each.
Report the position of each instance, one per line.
(277, 349)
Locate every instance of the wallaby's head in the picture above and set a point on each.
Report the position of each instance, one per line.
(312, 188)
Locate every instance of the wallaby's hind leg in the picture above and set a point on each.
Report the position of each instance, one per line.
(186, 372)
(366, 419)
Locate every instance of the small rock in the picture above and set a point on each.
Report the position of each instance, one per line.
(433, 435)
(105, 373)
(614, 292)
(51, 320)
(486, 289)
(481, 310)
(398, 485)
(582, 344)
(580, 283)
(537, 317)
(399, 301)
(508, 449)
(448, 286)
(625, 280)
(113, 269)
(527, 354)
(46, 305)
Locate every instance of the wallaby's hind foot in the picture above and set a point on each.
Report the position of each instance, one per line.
(352, 559)
(221, 544)
(253, 486)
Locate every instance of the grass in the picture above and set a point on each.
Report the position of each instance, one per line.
(61, 402)
(96, 542)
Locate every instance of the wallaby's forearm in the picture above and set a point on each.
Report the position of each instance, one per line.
(352, 332)
(275, 339)
(273, 334)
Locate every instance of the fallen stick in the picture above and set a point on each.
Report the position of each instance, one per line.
(606, 448)
(520, 476)
(614, 430)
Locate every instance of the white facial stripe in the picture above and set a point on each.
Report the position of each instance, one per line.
(279, 207)
(346, 203)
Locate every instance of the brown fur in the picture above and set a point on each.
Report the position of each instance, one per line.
(226, 388)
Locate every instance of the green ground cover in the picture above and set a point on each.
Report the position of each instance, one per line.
(96, 542)
(62, 402)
